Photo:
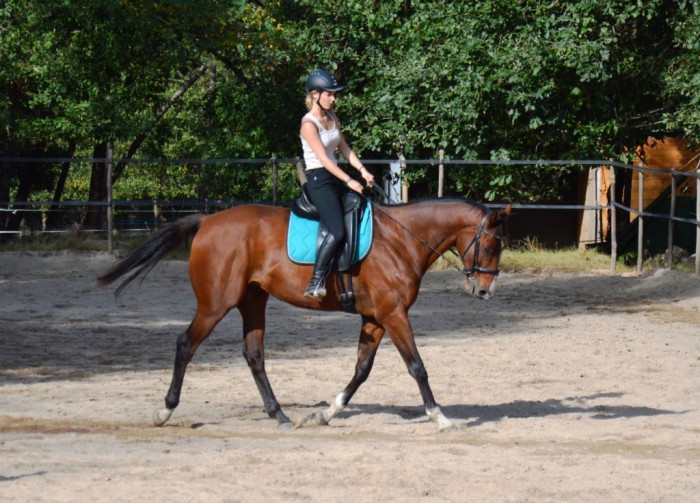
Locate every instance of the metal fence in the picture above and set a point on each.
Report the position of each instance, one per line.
(146, 215)
(676, 176)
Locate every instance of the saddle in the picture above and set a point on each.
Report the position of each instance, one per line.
(306, 233)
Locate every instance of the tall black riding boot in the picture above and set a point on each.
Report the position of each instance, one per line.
(324, 259)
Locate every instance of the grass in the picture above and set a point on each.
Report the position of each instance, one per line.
(70, 241)
(548, 261)
(48, 243)
(565, 260)
(523, 257)
(530, 257)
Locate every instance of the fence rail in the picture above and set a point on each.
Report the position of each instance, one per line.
(612, 205)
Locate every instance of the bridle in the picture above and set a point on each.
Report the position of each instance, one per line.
(469, 273)
(475, 242)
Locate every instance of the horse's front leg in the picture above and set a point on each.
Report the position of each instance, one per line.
(252, 309)
(187, 344)
(370, 337)
(401, 333)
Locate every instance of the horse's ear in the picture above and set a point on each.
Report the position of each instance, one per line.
(499, 216)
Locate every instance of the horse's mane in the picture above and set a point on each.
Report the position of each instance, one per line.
(439, 200)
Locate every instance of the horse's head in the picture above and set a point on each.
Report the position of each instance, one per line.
(481, 253)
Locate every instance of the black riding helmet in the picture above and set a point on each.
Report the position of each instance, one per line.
(322, 80)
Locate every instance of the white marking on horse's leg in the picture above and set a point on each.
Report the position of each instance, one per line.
(438, 417)
(160, 417)
(321, 418)
(335, 408)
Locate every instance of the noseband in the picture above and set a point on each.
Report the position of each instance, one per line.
(469, 273)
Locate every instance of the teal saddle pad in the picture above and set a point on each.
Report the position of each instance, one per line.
(302, 236)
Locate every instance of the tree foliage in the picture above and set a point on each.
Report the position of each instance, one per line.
(489, 79)
(681, 77)
(501, 80)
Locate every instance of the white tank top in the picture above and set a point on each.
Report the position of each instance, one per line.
(330, 138)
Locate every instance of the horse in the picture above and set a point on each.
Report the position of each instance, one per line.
(238, 259)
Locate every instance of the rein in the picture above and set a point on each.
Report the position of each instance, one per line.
(469, 273)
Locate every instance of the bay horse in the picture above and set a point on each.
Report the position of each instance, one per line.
(238, 259)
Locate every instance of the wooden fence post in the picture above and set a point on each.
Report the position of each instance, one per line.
(301, 172)
(441, 171)
(672, 212)
(697, 218)
(404, 185)
(275, 179)
(613, 221)
(640, 219)
(110, 202)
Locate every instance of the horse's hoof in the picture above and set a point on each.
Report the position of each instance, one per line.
(447, 427)
(438, 417)
(313, 419)
(160, 417)
(318, 419)
(287, 426)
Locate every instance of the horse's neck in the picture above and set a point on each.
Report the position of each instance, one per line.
(437, 224)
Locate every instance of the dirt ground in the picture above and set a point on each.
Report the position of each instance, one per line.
(563, 387)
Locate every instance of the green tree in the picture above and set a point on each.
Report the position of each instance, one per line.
(497, 79)
(494, 79)
(88, 73)
(681, 76)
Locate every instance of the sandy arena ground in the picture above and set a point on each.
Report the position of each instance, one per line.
(563, 387)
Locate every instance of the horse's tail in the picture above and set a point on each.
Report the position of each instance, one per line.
(145, 258)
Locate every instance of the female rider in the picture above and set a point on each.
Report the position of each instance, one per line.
(321, 136)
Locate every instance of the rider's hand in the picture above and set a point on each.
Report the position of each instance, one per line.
(356, 186)
(369, 177)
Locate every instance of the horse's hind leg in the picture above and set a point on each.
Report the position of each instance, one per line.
(370, 337)
(252, 309)
(187, 344)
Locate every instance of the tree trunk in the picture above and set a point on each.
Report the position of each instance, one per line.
(53, 214)
(141, 137)
(28, 174)
(96, 216)
(5, 176)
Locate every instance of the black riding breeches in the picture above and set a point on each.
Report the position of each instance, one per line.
(326, 193)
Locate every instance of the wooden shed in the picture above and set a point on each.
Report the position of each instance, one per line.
(664, 153)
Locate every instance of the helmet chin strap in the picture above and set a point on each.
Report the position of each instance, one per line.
(318, 102)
